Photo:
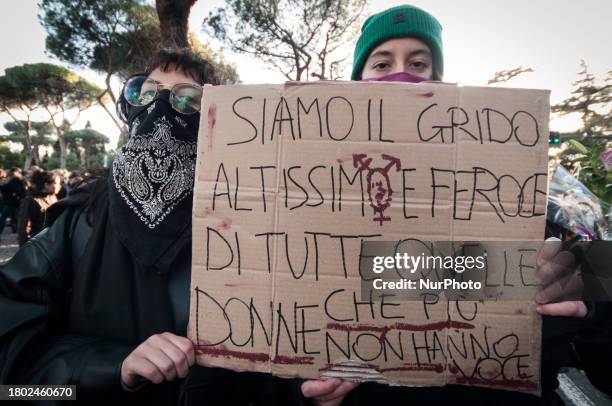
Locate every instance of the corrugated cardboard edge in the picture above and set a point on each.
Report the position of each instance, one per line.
(350, 369)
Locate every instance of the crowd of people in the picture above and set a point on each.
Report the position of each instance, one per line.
(25, 197)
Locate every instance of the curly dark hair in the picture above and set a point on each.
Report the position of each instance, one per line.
(186, 61)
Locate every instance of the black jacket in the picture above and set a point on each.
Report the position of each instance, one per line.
(44, 340)
(35, 290)
(13, 191)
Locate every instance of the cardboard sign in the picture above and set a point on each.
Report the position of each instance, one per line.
(291, 180)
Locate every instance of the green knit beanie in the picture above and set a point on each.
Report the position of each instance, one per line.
(399, 22)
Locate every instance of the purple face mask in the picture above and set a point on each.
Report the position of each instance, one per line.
(397, 77)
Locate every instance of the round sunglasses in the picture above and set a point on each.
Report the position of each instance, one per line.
(140, 90)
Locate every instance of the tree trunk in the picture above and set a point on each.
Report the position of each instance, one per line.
(28, 159)
(173, 22)
(29, 151)
(86, 149)
(62, 150)
(36, 155)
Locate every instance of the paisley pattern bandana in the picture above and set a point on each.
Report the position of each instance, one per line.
(151, 184)
(154, 171)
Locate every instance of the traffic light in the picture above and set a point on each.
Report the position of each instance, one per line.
(554, 138)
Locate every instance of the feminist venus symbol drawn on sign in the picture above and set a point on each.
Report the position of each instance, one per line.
(379, 186)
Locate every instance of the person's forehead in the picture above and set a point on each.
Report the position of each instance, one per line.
(403, 46)
(171, 77)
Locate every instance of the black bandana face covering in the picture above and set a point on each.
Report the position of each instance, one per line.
(152, 178)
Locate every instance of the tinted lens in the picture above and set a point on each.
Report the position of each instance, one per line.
(139, 90)
(186, 98)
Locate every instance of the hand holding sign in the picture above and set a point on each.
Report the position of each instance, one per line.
(559, 280)
(161, 357)
(327, 392)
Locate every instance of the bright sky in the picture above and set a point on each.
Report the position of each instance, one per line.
(480, 37)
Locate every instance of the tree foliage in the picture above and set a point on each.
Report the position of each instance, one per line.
(18, 98)
(9, 158)
(41, 136)
(116, 37)
(66, 91)
(131, 49)
(592, 172)
(49, 88)
(113, 37)
(88, 141)
(302, 38)
(58, 88)
(582, 156)
(508, 74)
(592, 101)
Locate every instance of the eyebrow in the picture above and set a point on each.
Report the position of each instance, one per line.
(416, 52)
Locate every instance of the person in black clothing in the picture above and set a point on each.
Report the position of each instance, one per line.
(100, 298)
(44, 187)
(404, 43)
(12, 193)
